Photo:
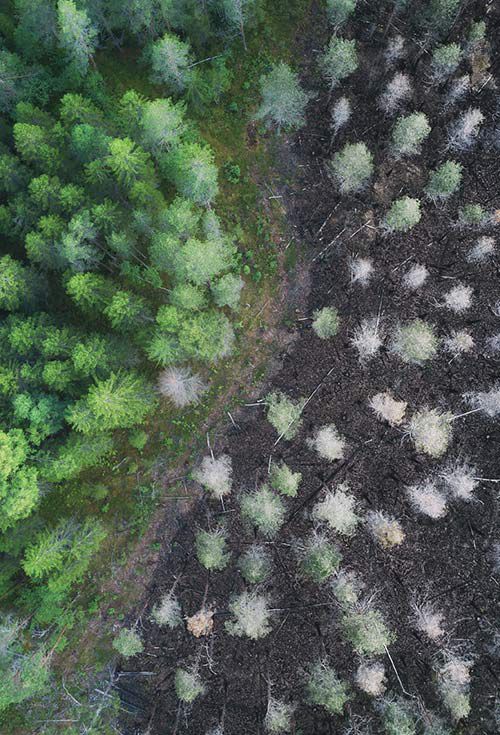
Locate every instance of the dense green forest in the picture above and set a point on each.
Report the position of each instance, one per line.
(120, 283)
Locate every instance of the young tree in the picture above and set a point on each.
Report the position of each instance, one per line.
(409, 133)
(339, 60)
(444, 181)
(192, 168)
(283, 99)
(19, 491)
(238, 13)
(77, 35)
(171, 63)
(162, 124)
(352, 167)
(403, 214)
(119, 402)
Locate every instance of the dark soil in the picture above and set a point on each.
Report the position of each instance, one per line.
(447, 561)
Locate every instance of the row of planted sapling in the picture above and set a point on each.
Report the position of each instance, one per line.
(335, 514)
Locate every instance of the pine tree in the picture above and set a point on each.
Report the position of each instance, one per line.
(77, 35)
(283, 100)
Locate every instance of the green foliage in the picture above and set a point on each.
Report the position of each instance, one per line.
(444, 180)
(319, 558)
(440, 14)
(191, 167)
(77, 36)
(325, 689)
(326, 322)
(121, 401)
(445, 60)
(409, 133)
(403, 214)
(397, 718)
(283, 100)
(171, 62)
(188, 685)
(366, 632)
(340, 60)
(226, 291)
(128, 643)
(284, 480)
(352, 167)
(25, 673)
(472, 215)
(415, 342)
(264, 510)
(284, 414)
(255, 564)
(211, 549)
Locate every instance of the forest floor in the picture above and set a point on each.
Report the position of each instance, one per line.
(447, 561)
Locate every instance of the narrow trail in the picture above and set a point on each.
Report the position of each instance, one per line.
(447, 561)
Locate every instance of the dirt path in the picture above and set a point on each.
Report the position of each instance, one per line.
(447, 562)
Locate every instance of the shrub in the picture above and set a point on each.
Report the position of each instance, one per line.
(346, 588)
(215, 475)
(339, 60)
(227, 290)
(255, 564)
(415, 342)
(482, 250)
(128, 643)
(444, 181)
(415, 277)
(168, 612)
(341, 114)
(385, 529)
(409, 133)
(337, 509)
(325, 689)
(251, 616)
(453, 685)
(284, 480)
(278, 717)
(366, 632)
(465, 129)
(370, 678)
(367, 339)
(397, 92)
(459, 480)
(328, 443)
(188, 685)
(397, 718)
(284, 414)
(264, 510)
(403, 214)
(361, 270)
(477, 34)
(427, 499)
(211, 549)
(459, 298)
(487, 401)
(352, 167)
(445, 59)
(338, 11)
(459, 343)
(428, 621)
(430, 430)
(283, 100)
(319, 558)
(388, 409)
(472, 215)
(326, 322)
